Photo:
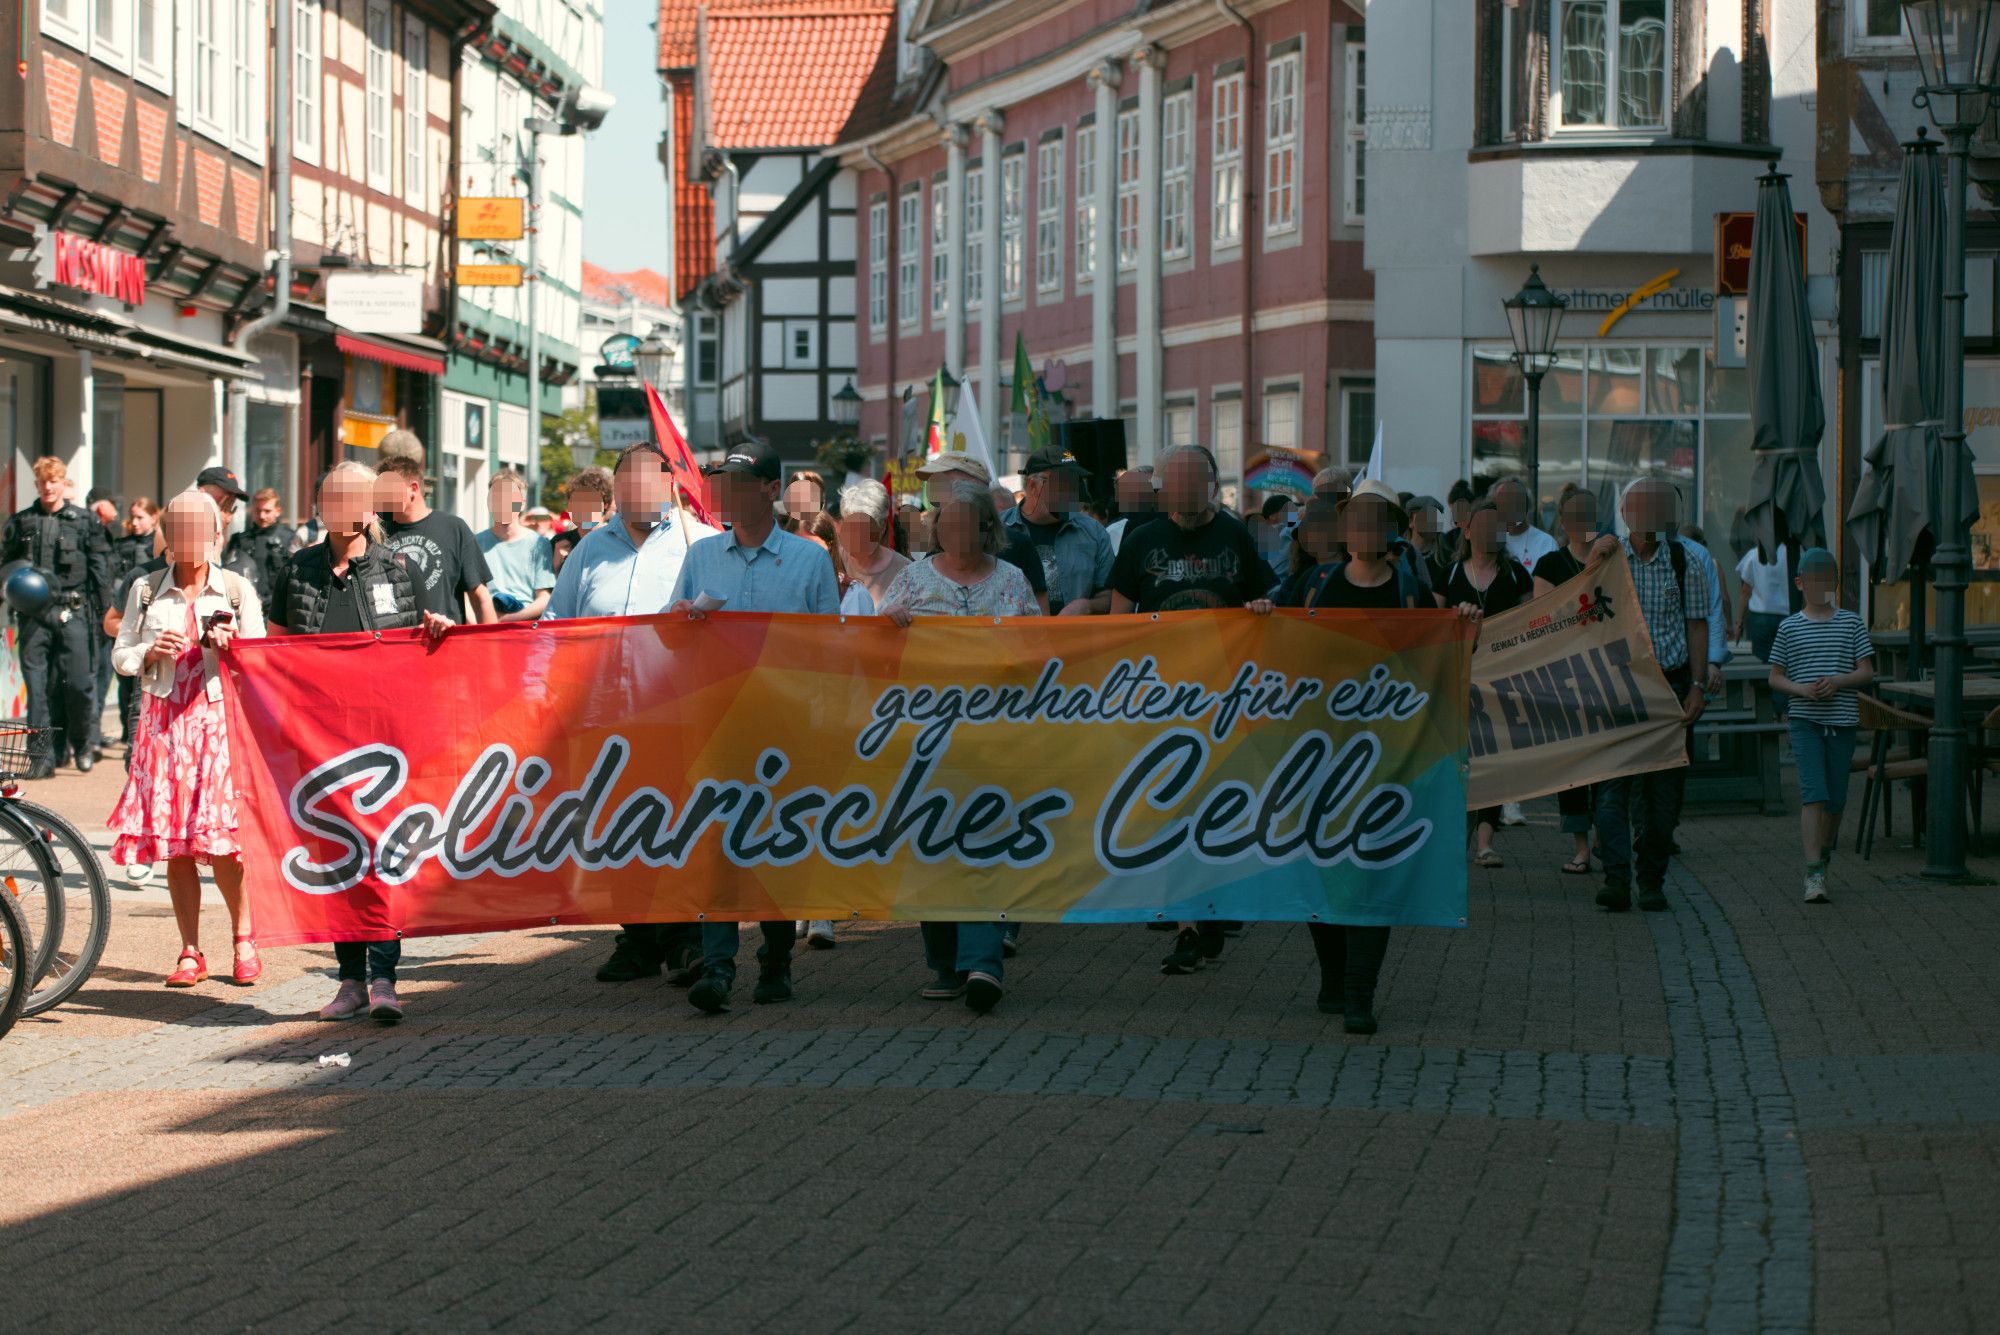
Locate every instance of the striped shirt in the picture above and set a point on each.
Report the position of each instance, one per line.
(1808, 649)
(1667, 609)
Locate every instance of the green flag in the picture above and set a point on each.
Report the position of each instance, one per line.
(1028, 398)
(936, 442)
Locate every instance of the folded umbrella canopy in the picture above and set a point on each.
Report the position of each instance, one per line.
(1787, 415)
(1892, 518)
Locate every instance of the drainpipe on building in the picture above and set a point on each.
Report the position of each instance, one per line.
(1251, 119)
(892, 434)
(238, 454)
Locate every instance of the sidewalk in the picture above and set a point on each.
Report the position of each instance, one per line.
(1746, 1113)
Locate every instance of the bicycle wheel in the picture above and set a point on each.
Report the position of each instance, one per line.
(29, 878)
(16, 966)
(86, 898)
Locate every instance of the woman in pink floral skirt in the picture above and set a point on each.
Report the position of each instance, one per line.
(179, 803)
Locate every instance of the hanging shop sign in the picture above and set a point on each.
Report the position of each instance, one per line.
(376, 303)
(91, 266)
(490, 218)
(489, 275)
(1733, 233)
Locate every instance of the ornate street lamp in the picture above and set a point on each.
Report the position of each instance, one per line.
(653, 359)
(1958, 55)
(951, 391)
(847, 406)
(1534, 319)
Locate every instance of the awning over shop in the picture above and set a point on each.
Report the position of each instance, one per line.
(424, 356)
(111, 335)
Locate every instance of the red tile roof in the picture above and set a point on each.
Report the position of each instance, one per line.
(788, 72)
(600, 284)
(694, 211)
(677, 33)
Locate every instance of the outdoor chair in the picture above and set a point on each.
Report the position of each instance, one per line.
(1884, 767)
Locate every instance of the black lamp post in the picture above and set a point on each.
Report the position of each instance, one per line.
(951, 392)
(1958, 55)
(847, 406)
(1534, 319)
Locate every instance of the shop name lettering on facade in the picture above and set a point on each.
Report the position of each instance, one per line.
(91, 266)
(1656, 296)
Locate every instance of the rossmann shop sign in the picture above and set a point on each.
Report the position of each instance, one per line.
(89, 266)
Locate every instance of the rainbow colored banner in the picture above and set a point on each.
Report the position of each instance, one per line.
(1297, 767)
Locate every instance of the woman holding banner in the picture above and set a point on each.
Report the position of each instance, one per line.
(964, 578)
(179, 803)
(1485, 581)
(352, 582)
(1577, 509)
(1350, 957)
(867, 541)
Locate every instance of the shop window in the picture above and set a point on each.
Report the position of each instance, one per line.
(267, 427)
(107, 430)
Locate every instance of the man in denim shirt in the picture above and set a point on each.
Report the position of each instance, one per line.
(754, 567)
(1075, 550)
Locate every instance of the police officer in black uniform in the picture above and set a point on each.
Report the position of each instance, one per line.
(263, 548)
(68, 546)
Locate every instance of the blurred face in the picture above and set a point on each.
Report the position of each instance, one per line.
(190, 532)
(397, 495)
(1820, 588)
(1368, 526)
(745, 500)
(1459, 511)
(504, 500)
(1579, 518)
(958, 534)
(1319, 532)
(1649, 508)
(644, 490)
(105, 512)
(587, 507)
(860, 537)
(1003, 500)
(264, 513)
(143, 520)
(1485, 533)
(346, 503)
(51, 490)
(1334, 484)
(223, 501)
(1512, 499)
(1058, 490)
(1135, 493)
(802, 501)
(1424, 525)
(937, 487)
(1188, 490)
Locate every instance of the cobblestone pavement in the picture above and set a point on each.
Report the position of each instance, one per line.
(1744, 1114)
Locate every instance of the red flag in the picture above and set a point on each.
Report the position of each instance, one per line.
(680, 458)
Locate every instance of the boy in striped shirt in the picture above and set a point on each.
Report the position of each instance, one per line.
(1820, 656)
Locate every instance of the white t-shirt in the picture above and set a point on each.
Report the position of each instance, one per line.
(1529, 545)
(1769, 585)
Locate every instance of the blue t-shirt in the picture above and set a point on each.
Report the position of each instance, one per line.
(1807, 650)
(519, 567)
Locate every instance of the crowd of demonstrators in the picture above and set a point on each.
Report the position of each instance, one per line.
(1137, 500)
(1819, 656)
(58, 645)
(1576, 515)
(440, 550)
(1488, 579)
(520, 563)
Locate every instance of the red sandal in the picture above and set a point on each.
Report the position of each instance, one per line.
(247, 971)
(186, 977)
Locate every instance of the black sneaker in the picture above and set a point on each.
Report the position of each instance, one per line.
(1360, 1018)
(709, 996)
(1232, 927)
(1616, 896)
(86, 762)
(1331, 1003)
(1186, 954)
(1212, 937)
(773, 985)
(1651, 898)
(1156, 925)
(982, 992)
(627, 963)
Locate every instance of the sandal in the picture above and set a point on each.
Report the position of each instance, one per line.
(1487, 857)
(190, 975)
(246, 972)
(1576, 867)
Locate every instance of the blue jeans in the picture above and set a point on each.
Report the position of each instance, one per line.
(1575, 806)
(963, 947)
(1763, 628)
(1825, 754)
(719, 941)
(362, 960)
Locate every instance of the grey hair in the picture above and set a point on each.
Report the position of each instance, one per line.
(1165, 456)
(993, 540)
(867, 498)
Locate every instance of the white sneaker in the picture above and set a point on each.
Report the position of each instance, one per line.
(1816, 887)
(1510, 814)
(819, 935)
(138, 873)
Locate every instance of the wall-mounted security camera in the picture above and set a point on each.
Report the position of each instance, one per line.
(583, 109)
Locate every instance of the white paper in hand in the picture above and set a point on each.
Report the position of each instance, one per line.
(708, 602)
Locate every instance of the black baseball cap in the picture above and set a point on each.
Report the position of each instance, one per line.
(1048, 459)
(753, 457)
(223, 478)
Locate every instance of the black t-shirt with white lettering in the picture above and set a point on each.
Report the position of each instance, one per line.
(1163, 567)
(444, 560)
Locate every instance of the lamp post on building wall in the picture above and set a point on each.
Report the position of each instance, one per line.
(1534, 319)
(1958, 55)
(847, 406)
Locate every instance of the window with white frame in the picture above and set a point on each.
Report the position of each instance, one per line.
(1128, 190)
(940, 247)
(1177, 424)
(111, 32)
(1877, 24)
(1086, 204)
(416, 80)
(152, 57)
(305, 79)
(1013, 224)
(381, 52)
(1354, 163)
(1226, 435)
(1177, 176)
(909, 252)
(1226, 151)
(878, 264)
(1281, 417)
(975, 237)
(1610, 64)
(65, 19)
(1049, 215)
(247, 76)
(705, 345)
(208, 36)
(1357, 421)
(1281, 143)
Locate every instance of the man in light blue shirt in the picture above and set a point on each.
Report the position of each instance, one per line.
(626, 566)
(519, 560)
(754, 567)
(1718, 637)
(1074, 550)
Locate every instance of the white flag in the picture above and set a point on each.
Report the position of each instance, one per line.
(963, 432)
(1374, 469)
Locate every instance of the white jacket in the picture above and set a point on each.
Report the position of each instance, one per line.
(166, 608)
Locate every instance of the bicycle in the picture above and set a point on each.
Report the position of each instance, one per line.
(16, 966)
(69, 922)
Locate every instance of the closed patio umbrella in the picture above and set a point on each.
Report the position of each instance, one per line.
(1787, 415)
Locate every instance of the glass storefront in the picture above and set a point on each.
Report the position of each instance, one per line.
(24, 401)
(267, 430)
(1615, 411)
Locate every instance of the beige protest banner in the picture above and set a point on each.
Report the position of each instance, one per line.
(1566, 691)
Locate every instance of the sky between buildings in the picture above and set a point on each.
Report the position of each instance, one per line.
(624, 187)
